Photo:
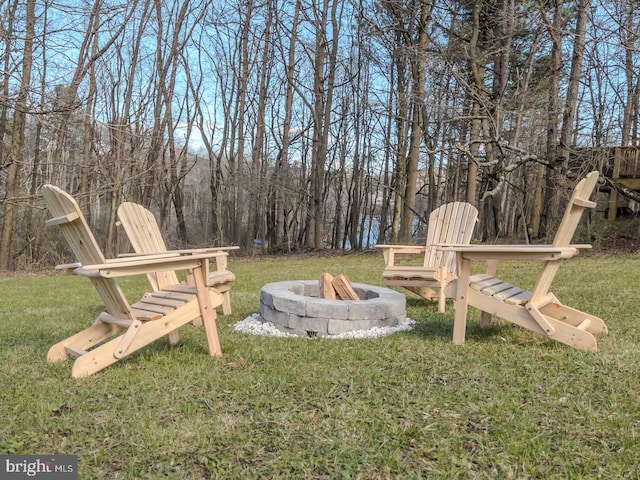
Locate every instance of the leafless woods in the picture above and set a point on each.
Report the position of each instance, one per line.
(297, 123)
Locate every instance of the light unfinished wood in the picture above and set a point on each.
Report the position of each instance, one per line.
(124, 328)
(145, 237)
(538, 310)
(148, 307)
(166, 302)
(172, 295)
(70, 217)
(74, 352)
(584, 325)
(120, 322)
(492, 266)
(326, 288)
(343, 288)
(450, 224)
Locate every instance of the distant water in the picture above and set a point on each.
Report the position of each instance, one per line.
(371, 230)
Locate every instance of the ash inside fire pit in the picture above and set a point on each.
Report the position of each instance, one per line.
(295, 307)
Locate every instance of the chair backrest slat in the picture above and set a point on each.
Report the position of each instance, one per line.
(581, 194)
(573, 213)
(145, 236)
(84, 246)
(141, 228)
(76, 231)
(451, 223)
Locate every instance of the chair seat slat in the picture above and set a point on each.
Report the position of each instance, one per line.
(489, 282)
(146, 315)
(180, 289)
(165, 302)
(518, 299)
(185, 297)
(510, 292)
(149, 307)
(495, 289)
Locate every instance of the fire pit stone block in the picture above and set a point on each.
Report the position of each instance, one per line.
(294, 307)
(314, 325)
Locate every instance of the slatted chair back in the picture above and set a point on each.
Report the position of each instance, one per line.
(69, 218)
(578, 202)
(451, 223)
(145, 236)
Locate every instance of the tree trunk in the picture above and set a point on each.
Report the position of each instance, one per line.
(386, 190)
(324, 71)
(418, 73)
(479, 102)
(281, 172)
(550, 197)
(571, 99)
(10, 211)
(256, 192)
(8, 35)
(401, 115)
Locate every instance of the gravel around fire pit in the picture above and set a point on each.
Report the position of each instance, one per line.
(252, 325)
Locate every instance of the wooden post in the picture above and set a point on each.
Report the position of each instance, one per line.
(613, 194)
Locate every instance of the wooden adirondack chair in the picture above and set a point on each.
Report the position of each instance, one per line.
(145, 237)
(539, 310)
(124, 328)
(452, 223)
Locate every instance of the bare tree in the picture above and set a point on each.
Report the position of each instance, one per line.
(281, 170)
(326, 20)
(418, 71)
(16, 152)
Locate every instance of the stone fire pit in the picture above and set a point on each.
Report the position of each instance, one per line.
(295, 307)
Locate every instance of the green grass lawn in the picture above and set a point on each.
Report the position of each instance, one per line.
(508, 404)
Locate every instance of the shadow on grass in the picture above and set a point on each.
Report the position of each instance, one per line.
(430, 323)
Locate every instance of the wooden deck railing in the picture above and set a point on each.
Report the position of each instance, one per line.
(626, 162)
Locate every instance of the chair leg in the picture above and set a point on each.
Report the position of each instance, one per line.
(564, 331)
(573, 317)
(226, 303)
(84, 340)
(485, 319)
(127, 338)
(491, 269)
(224, 290)
(574, 337)
(162, 282)
(441, 300)
(461, 302)
(424, 292)
(104, 355)
(174, 337)
(207, 311)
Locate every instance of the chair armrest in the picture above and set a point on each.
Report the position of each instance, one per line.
(127, 257)
(402, 248)
(220, 255)
(190, 251)
(513, 252)
(221, 259)
(72, 266)
(68, 267)
(146, 264)
(390, 251)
